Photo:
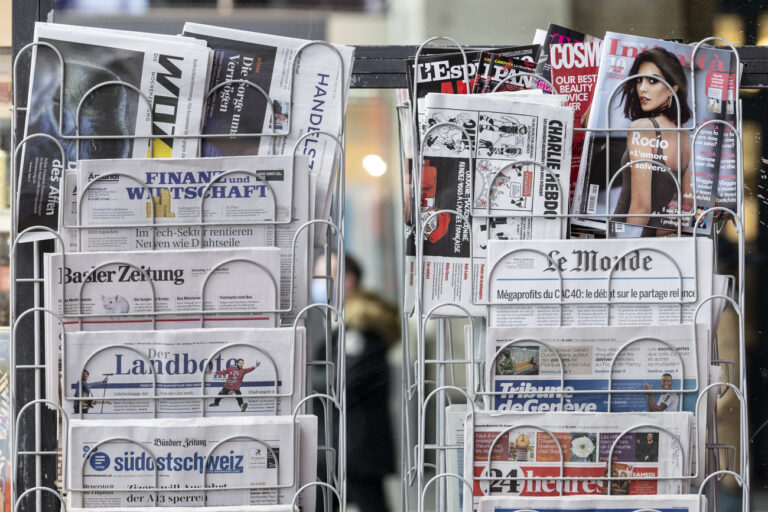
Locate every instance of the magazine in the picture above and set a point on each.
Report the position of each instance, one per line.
(118, 289)
(240, 371)
(495, 66)
(177, 187)
(574, 73)
(582, 443)
(313, 98)
(501, 131)
(648, 108)
(171, 72)
(666, 503)
(180, 455)
(556, 34)
(611, 282)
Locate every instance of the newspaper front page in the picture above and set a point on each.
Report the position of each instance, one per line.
(241, 371)
(183, 192)
(667, 503)
(316, 103)
(127, 288)
(179, 455)
(171, 71)
(254, 508)
(585, 441)
(566, 283)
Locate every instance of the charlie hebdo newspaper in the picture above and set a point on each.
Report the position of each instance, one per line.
(180, 455)
(131, 192)
(171, 71)
(456, 175)
(563, 283)
(667, 503)
(311, 99)
(714, 155)
(241, 371)
(584, 440)
(125, 289)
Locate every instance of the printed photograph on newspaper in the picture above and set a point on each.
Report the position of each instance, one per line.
(652, 144)
(179, 455)
(112, 375)
(505, 454)
(169, 71)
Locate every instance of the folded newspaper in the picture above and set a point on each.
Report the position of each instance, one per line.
(611, 282)
(667, 503)
(456, 175)
(122, 291)
(253, 508)
(253, 460)
(170, 71)
(531, 450)
(177, 195)
(111, 375)
(311, 99)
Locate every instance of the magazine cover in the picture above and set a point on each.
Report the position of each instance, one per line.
(574, 73)
(185, 192)
(556, 34)
(665, 503)
(170, 71)
(180, 455)
(648, 110)
(122, 292)
(625, 282)
(313, 98)
(582, 443)
(106, 374)
(495, 65)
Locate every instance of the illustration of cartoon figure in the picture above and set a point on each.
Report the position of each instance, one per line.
(447, 137)
(505, 124)
(233, 383)
(116, 304)
(435, 226)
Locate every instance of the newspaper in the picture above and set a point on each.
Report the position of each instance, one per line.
(179, 455)
(644, 288)
(456, 176)
(714, 154)
(177, 187)
(311, 99)
(170, 71)
(529, 373)
(254, 508)
(455, 418)
(585, 441)
(667, 503)
(122, 286)
(118, 368)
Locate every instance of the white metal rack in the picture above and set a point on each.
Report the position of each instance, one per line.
(31, 465)
(415, 393)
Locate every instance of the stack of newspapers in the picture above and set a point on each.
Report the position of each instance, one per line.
(181, 175)
(595, 351)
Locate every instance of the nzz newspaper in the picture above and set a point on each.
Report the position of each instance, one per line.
(123, 291)
(112, 375)
(119, 463)
(685, 503)
(177, 195)
(526, 459)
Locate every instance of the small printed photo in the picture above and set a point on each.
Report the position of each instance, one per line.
(518, 360)
(647, 447)
(281, 110)
(714, 105)
(521, 447)
(583, 447)
(729, 107)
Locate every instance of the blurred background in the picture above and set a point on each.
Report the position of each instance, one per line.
(373, 171)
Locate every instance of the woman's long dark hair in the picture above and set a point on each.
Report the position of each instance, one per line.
(673, 73)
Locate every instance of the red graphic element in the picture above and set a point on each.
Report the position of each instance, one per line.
(437, 225)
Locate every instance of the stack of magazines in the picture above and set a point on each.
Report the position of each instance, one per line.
(595, 354)
(182, 175)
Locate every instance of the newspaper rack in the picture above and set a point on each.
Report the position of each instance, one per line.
(478, 378)
(334, 395)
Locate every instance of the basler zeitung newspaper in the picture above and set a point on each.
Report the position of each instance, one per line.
(122, 291)
(269, 457)
(580, 444)
(170, 71)
(308, 91)
(176, 195)
(611, 282)
(114, 374)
